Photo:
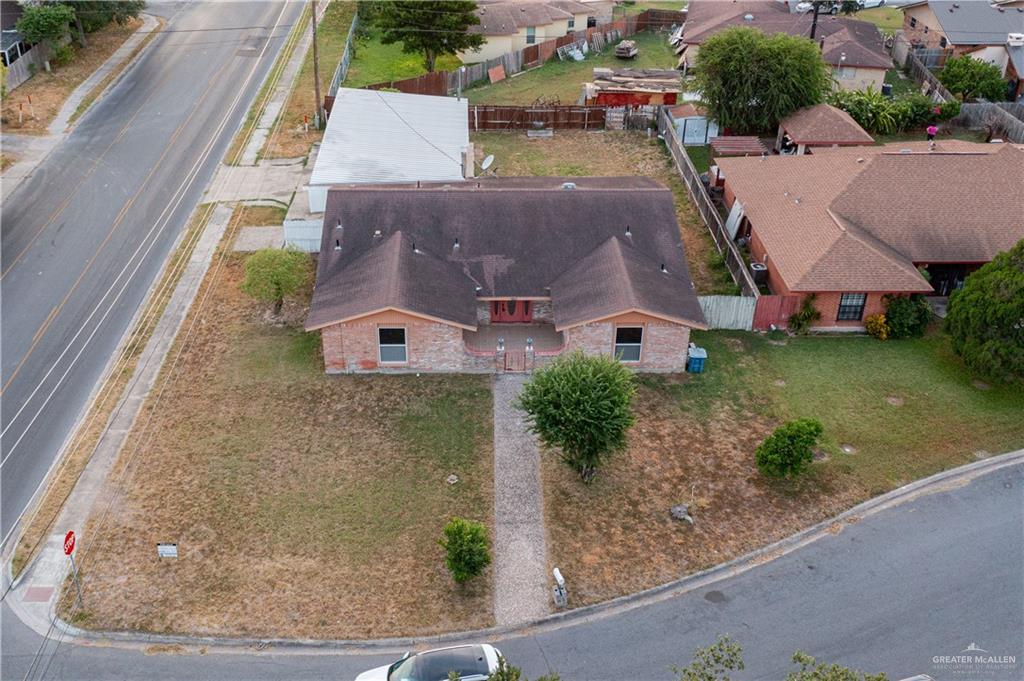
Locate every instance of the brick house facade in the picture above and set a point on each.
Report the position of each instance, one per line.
(412, 280)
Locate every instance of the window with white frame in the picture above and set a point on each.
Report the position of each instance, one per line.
(845, 72)
(392, 345)
(628, 341)
(531, 35)
(851, 307)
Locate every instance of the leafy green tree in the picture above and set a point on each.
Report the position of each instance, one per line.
(790, 449)
(91, 15)
(812, 670)
(468, 549)
(44, 23)
(581, 404)
(749, 81)
(907, 316)
(970, 78)
(985, 319)
(714, 662)
(432, 29)
(273, 274)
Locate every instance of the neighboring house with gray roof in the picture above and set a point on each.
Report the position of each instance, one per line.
(854, 49)
(499, 274)
(992, 33)
(853, 224)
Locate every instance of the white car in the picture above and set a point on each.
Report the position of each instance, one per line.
(472, 662)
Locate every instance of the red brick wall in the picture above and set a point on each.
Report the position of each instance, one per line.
(352, 347)
(664, 344)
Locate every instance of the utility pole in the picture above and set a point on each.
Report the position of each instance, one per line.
(316, 68)
(814, 21)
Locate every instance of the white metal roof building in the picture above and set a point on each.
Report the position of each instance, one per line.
(389, 138)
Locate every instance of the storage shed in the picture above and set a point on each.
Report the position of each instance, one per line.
(391, 138)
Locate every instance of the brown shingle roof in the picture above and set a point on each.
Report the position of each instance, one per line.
(860, 40)
(824, 124)
(617, 277)
(856, 219)
(506, 18)
(516, 237)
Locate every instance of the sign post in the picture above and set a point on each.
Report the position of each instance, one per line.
(69, 549)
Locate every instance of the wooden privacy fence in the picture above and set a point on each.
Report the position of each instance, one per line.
(500, 118)
(998, 117)
(707, 209)
(596, 38)
(904, 55)
(729, 312)
(774, 310)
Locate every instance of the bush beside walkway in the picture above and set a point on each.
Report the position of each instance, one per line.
(892, 412)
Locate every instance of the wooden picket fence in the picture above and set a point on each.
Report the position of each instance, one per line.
(503, 118)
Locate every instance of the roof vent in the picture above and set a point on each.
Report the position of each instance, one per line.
(664, 270)
(797, 201)
(956, 5)
(456, 243)
(1015, 39)
(337, 244)
(414, 249)
(376, 234)
(748, 17)
(629, 232)
(339, 224)
(568, 185)
(860, 160)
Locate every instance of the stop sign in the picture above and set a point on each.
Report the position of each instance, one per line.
(69, 543)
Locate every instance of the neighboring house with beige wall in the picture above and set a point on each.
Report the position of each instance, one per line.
(501, 275)
(510, 25)
(853, 49)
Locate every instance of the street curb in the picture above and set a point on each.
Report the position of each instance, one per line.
(762, 556)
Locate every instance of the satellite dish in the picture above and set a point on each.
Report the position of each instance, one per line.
(488, 162)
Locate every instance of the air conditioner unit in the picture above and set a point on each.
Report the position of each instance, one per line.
(1015, 40)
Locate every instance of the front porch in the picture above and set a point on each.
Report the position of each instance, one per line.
(484, 341)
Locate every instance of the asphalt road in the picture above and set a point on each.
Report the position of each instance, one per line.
(889, 593)
(85, 236)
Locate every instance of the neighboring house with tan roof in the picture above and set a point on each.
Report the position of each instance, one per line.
(854, 224)
(511, 25)
(854, 49)
(500, 274)
(821, 125)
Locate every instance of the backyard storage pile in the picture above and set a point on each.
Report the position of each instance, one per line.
(633, 87)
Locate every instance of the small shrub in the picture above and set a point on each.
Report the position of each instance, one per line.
(789, 450)
(875, 326)
(801, 320)
(581, 404)
(62, 55)
(948, 110)
(272, 274)
(468, 549)
(714, 662)
(907, 316)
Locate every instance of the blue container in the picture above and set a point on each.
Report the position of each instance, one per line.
(695, 358)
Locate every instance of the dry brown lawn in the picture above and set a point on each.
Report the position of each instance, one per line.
(616, 537)
(293, 139)
(303, 505)
(49, 90)
(579, 153)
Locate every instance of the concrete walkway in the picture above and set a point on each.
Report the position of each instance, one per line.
(32, 149)
(277, 180)
(521, 592)
(34, 595)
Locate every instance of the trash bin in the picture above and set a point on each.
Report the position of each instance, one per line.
(695, 358)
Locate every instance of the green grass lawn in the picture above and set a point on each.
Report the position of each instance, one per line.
(376, 62)
(901, 84)
(919, 136)
(909, 408)
(701, 157)
(626, 9)
(888, 19)
(564, 79)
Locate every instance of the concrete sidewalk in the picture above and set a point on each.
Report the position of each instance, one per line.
(520, 542)
(32, 149)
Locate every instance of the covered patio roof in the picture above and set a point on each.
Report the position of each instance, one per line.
(738, 145)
